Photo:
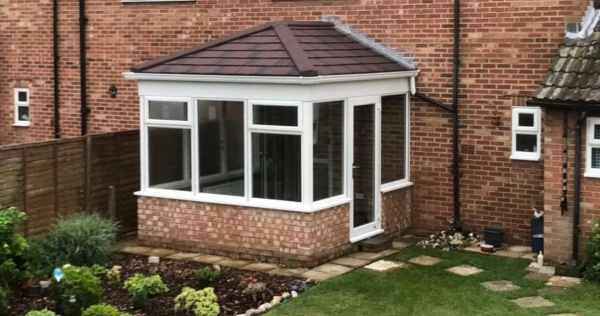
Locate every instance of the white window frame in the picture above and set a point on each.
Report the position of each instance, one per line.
(591, 142)
(400, 183)
(526, 130)
(20, 104)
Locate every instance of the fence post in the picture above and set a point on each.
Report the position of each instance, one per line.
(112, 203)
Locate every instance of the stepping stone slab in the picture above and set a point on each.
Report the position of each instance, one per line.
(507, 253)
(233, 263)
(475, 249)
(350, 262)
(384, 265)
(533, 301)
(500, 286)
(288, 272)
(161, 252)
(560, 281)
(183, 255)
(537, 276)
(424, 260)
(400, 245)
(533, 267)
(262, 267)
(135, 249)
(521, 249)
(316, 275)
(208, 258)
(464, 270)
(333, 269)
(388, 252)
(366, 255)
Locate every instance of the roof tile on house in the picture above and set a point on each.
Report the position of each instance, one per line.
(574, 75)
(278, 49)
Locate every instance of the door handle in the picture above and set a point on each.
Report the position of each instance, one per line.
(355, 167)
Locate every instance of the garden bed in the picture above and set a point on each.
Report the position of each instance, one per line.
(176, 274)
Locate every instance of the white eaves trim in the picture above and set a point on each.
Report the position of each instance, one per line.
(271, 80)
(588, 23)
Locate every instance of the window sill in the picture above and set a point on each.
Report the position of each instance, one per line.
(525, 157)
(592, 174)
(388, 187)
(21, 124)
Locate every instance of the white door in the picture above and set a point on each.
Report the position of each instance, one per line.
(364, 118)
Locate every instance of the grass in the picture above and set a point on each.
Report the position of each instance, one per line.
(420, 290)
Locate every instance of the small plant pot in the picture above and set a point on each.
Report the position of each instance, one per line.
(486, 248)
(34, 290)
(44, 284)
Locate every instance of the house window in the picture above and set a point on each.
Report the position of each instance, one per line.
(328, 149)
(394, 141)
(526, 133)
(593, 148)
(21, 107)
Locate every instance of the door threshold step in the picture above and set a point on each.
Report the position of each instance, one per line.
(377, 243)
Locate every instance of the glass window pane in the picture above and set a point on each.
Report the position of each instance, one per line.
(527, 143)
(167, 110)
(221, 147)
(22, 96)
(595, 157)
(393, 138)
(328, 149)
(597, 131)
(275, 115)
(276, 167)
(23, 114)
(169, 158)
(526, 119)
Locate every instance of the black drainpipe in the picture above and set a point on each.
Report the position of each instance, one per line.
(82, 67)
(455, 154)
(56, 60)
(576, 187)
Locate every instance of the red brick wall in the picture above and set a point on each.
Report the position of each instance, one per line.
(396, 210)
(243, 232)
(505, 48)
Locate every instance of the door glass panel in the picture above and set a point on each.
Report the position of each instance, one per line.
(328, 149)
(362, 168)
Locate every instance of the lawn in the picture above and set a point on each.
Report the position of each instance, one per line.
(420, 290)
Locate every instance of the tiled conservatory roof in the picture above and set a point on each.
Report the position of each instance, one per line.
(279, 49)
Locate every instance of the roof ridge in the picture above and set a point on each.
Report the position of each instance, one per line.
(292, 46)
(209, 44)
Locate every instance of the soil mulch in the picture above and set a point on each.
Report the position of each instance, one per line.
(176, 274)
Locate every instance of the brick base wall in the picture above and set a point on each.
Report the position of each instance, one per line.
(396, 210)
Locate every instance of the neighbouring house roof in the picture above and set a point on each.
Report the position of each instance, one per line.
(573, 79)
(294, 49)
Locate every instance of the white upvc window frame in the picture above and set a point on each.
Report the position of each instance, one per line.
(400, 183)
(21, 104)
(591, 142)
(536, 129)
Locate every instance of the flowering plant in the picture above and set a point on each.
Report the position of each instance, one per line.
(451, 239)
(592, 258)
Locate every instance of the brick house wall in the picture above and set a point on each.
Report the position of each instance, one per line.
(506, 46)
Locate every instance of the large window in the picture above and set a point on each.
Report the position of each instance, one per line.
(394, 140)
(526, 132)
(328, 149)
(21, 107)
(593, 148)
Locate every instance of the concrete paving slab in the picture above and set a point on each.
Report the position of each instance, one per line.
(183, 255)
(561, 281)
(529, 256)
(208, 258)
(500, 286)
(161, 252)
(333, 269)
(350, 262)
(388, 252)
(288, 272)
(262, 267)
(366, 255)
(424, 260)
(134, 249)
(316, 275)
(534, 301)
(231, 263)
(533, 267)
(464, 270)
(400, 245)
(507, 254)
(385, 265)
(521, 249)
(537, 276)
(474, 249)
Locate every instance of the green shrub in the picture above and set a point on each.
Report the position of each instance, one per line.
(113, 276)
(13, 247)
(3, 300)
(592, 258)
(83, 239)
(43, 312)
(77, 290)
(208, 276)
(197, 302)
(103, 310)
(141, 287)
(98, 270)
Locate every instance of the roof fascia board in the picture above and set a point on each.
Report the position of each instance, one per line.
(550, 104)
(271, 80)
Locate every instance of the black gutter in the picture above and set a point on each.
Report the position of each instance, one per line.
(55, 68)
(577, 187)
(82, 67)
(455, 154)
(433, 101)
